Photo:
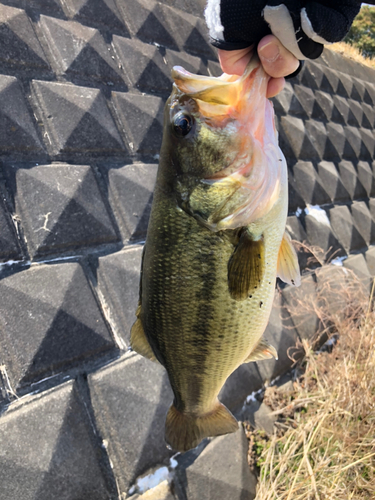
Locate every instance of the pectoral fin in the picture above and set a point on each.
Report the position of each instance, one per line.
(139, 342)
(262, 351)
(287, 263)
(246, 267)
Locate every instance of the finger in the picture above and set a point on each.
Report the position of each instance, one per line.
(277, 61)
(275, 86)
(234, 62)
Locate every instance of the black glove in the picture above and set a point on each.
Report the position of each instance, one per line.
(303, 27)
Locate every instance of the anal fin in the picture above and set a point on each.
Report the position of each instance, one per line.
(263, 350)
(139, 342)
(287, 262)
(246, 266)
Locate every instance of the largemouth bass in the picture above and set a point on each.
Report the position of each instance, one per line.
(215, 244)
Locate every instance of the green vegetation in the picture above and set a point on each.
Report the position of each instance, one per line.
(362, 32)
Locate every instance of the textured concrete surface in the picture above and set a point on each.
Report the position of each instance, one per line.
(220, 471)
(82, 90)
(130, 400)
(48, 450)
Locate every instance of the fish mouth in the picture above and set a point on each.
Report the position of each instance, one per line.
(220, 99)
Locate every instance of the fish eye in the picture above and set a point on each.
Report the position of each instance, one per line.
(182, 124)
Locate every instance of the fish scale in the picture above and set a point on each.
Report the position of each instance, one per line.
(176, 325)
(194, 317)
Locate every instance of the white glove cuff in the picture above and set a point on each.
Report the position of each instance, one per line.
(281, 25)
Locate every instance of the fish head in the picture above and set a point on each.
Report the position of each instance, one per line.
(222, 144)
(203, 135)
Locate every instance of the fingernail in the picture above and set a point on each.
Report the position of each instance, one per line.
(269, 52)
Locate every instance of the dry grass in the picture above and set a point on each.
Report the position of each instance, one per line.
(324, 447)
(351, 52)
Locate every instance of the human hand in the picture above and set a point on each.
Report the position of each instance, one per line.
(276, 60)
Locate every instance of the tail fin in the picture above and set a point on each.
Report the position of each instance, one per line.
(183, 432)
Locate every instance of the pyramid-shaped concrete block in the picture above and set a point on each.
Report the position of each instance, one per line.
(345, 230)
(332, 288)
(141, 117)
(298, 234)
(195, 7)
(350, 180)
(295, 229)
(296, 201)
(17, 130)
(118, 277)
(198, 41)
(51, 322)
(163, 491)
(295, 141)
(330, 80)
(309, 184)
(322, 106)
(281, 334)
(61, 208)
(335, 142)
(80, 50)
(332, 183)
(148, 21)
(355, 115)
(345, 85)
(367, 145)
(9, 245)
(144, 65)
(19, 45)
(369, 96)
(370, 260)
(77, 119)
(320, 234)
(282, 101)
(368, 118)
(242, 382)
(340, 112)
(131, 416)
(48, 450)
(191, 63)
(358, 90)
(53, 7)
(364, 222)
(190, 33)
(300, 303)
(366, 177)
(103, 12)
(213, 68)
(311, 75)
(302, 102)
(371, 206)
(357, 264)
(220, 471)
(317, 133)
(130, 191)
(353, 143)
